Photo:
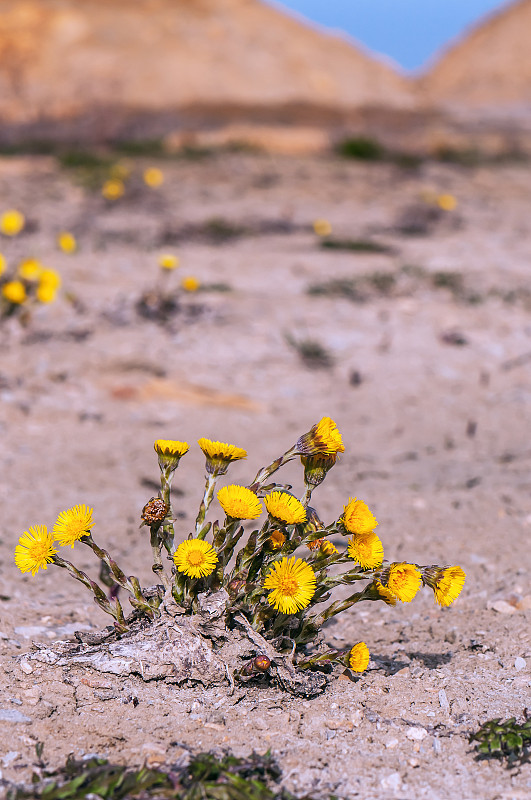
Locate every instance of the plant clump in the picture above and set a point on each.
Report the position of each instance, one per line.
(29, 284)
(271, 587)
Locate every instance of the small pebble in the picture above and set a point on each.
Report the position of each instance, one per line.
(520, 663)
(502, 607)
(443, 701)
(392, 782)
(416, 734)
(26, 668)
(12, 715)
(392, 743)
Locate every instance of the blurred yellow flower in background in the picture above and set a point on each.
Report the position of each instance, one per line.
(11, 222)
(67, 242)
(153, 177)
(447, 202)
(168, 261)
(30, 269)
(113, 189)
(322, 227)
(190, 284)
(2, 264)
(14, 291)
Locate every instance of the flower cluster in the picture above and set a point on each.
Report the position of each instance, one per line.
(29, 283)
(275, 575)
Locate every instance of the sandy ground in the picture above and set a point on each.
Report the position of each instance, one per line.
(436, 438)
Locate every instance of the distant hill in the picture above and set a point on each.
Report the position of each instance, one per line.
(99, 67)
(489, 69)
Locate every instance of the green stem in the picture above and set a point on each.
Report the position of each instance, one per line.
(208, 496)
(100, 598)
(265, 473)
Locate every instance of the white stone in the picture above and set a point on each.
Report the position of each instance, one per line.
(520, 663)
(416, 734)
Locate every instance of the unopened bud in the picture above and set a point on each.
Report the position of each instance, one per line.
(154, 511)
(262, 663)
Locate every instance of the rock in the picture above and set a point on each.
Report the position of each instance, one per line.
(391, 744)
(443, 701)
(154, 754)
(392, 782)
(416, 734)
(339, 724)
(26, 668)
(525, 603)
(12, 715)
(502, 607)
(520, 663)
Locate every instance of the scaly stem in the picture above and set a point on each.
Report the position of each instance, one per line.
(305, 500)
(210, 485)
(100, 598)
(158, 566)
(266, 472)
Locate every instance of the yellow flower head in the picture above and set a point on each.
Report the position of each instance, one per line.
(292, 583)
(239, 502)
(402, 579)
(190, 284)
(322, 227)
(219, 455)
(73, 524)
(50, 278)
(358, 658)
(446, 583)
(113, 189)
(447, 202)
(67, 242)
(357, 517)
(366, 549)
(14, 292)
(384, 593)
(170, 453)
(30, 269)
(35, 549)
(153, 177)
(168, 261)
(46, 293)
(11, 222)
(196, 558)
(322, 439)
(285, 507)
(276, 540)
(2, 264)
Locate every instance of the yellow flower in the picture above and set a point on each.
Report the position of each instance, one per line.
(387, 596)
(30, 269)
(35, 549)
(51, 278)
(14, 291)
(285, 507)
(67, 242)
(2, 264)
(446, 583)
(153, 177)
(113, 189)
(120, 171)
(276, 540)
(190, 284)
(366, 549)
(327, 547)
(11, 222)
(170, 453)
(447, 202)
(219, 455)
(322, 439)
(358, 658)
(46, 293)
(357, 517)
(168, 261)
(73, 524)
(322, 227)
(292, 583)
(196, 558)
(402, 579)
(239, 502)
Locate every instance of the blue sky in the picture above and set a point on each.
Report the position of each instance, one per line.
(409, 31)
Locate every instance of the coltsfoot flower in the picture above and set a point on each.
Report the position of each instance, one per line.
(402, 579)
(358, 658)
(196, 558)
(14, 292)
(285, 507)
(322, 227)
(276, 540)
(239, 502)
(366, 549)
(170, 453)
(50, 277)
(113, 189)
(73, 524)
(190, 284)
(30, 269)
(317, 467)
(12, 222)
(46, 293)
(322, 439)
(219, 455)
(35, 549)
(66, 242)
(2, 264)
(357, 517)
(446, 583)
(168, 261)
(292, 583)
(153, 177)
